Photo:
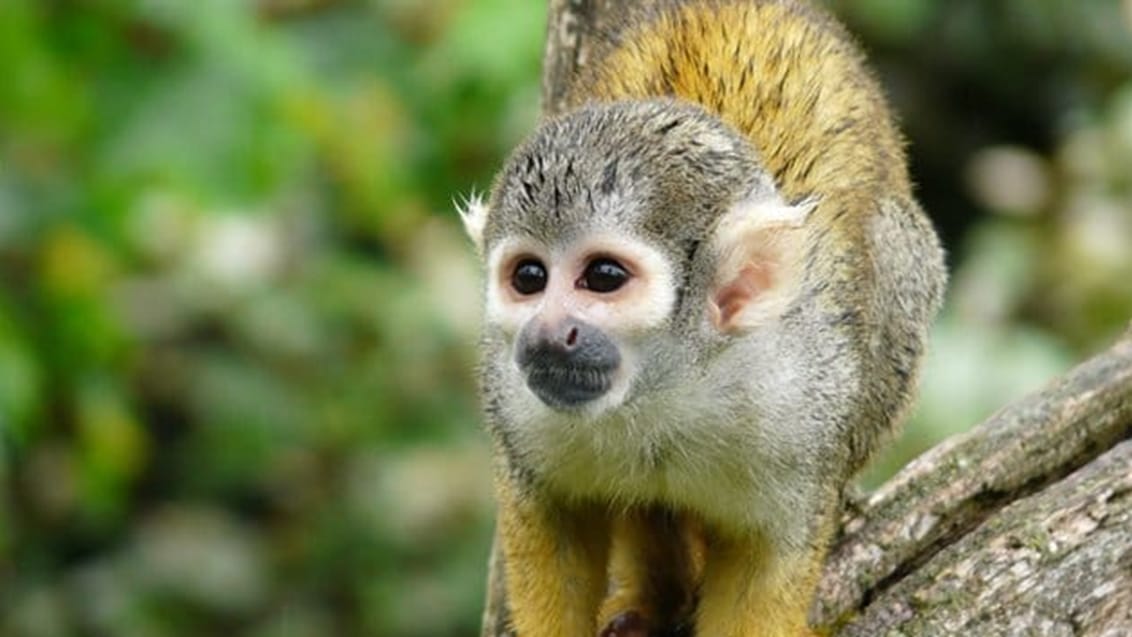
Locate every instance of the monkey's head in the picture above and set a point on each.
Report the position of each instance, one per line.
(625, 244)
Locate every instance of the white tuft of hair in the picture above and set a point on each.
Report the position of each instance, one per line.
(473, 212)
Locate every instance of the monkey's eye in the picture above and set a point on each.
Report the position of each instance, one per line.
(603, 275)
(529, 277)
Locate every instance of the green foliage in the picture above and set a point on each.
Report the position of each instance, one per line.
(238, 320)
(236, 317)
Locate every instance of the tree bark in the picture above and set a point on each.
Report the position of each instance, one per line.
(1021, 526)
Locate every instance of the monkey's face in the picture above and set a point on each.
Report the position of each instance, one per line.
(623, 244)
(574, 316)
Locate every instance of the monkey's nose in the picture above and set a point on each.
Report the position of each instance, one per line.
(560, 337)
(564, 336)
(568, 342)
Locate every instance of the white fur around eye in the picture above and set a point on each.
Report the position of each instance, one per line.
(500, 309)
(648, 300)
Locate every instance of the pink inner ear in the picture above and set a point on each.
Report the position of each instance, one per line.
(735, 295)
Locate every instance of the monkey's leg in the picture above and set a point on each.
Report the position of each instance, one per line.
(653, 571)
(751, 589)
(554, 563)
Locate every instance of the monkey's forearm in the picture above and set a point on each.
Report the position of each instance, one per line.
(554, 562)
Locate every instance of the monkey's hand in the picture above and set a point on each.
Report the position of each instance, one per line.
(627, 624)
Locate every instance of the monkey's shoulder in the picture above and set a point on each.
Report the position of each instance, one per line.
(785, 74)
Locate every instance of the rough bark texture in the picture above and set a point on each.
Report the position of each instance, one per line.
(1022, 526)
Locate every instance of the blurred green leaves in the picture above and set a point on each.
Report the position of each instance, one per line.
(21, 378)
(233, 302)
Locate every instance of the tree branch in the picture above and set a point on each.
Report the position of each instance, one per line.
(992, 497)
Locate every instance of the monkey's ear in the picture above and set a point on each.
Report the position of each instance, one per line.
(757, 242)
(473, 212)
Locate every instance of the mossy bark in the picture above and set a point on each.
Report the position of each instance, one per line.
(1025, 518)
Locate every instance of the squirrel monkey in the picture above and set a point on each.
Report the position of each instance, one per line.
(708, 288)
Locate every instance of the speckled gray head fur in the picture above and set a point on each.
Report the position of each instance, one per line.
(664, 169)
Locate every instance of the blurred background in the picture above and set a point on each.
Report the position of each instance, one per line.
(238, 315)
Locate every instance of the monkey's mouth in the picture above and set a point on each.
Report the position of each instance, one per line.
(568, 388)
